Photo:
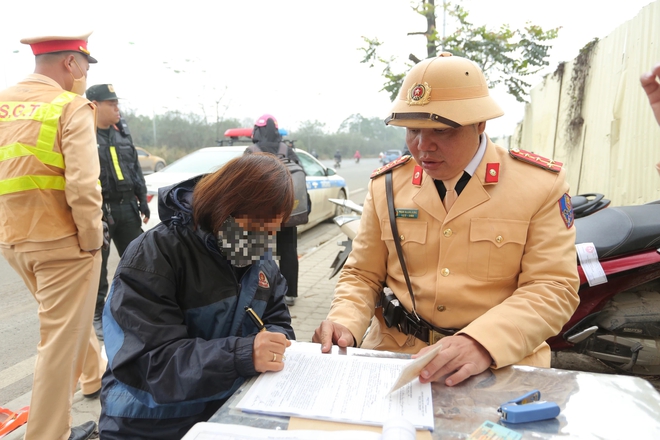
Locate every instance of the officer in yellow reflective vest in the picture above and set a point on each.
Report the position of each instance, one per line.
(122, 184)
(50, 224)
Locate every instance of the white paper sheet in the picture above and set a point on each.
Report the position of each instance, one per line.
(414, 368)
(351, 389)
(590, 265)
(219, 431)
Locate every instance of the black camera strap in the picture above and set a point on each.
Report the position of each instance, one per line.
(395, 236)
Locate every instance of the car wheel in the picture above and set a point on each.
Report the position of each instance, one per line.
(339, 210)
(159, 166)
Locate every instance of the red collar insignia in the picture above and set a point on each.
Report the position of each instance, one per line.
(492, 173)
(417, 176)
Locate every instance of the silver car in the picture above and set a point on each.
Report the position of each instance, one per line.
(323, 183)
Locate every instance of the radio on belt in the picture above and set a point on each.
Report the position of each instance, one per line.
(528, 408)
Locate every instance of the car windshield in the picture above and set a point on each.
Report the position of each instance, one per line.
(202, 161)
(393, 152)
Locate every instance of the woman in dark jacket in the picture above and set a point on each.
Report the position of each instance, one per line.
(178, 338)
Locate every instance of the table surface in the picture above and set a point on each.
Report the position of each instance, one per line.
(593, 405)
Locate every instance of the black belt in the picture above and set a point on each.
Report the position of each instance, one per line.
(422, 330)
(119, 197)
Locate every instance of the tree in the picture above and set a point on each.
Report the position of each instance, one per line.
(505, 55)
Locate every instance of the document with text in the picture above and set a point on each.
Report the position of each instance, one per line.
(350, 389)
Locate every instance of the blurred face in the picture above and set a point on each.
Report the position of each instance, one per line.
(443, 153)
(107, 113)
(249, 224)
(244, 239)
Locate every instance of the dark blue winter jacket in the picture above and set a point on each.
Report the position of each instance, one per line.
(178, 340)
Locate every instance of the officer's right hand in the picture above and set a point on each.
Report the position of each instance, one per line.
(651, 86)
(106, 235)
(330, 333)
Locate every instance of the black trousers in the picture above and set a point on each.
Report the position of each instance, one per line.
(126, 226)
(287, 250)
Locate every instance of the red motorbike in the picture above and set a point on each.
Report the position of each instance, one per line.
(618, 322)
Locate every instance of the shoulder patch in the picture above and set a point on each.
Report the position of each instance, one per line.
(263, 280)
(566, 210)
(390, 166)
(536, 160)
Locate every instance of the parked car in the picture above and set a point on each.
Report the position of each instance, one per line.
(323, 183)
(148, 162)
(391, 155)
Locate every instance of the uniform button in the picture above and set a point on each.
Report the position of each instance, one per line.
(402, 237)
(445, 272)
(441, 308)
(447, 232)
(499, 239)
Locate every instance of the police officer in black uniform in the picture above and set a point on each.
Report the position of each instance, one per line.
(122, 183)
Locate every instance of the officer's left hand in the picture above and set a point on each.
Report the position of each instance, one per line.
(460, 355)
(144, 209)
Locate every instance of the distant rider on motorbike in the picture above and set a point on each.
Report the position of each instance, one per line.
(337, 158)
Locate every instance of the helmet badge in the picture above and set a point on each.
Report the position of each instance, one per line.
(419, 94)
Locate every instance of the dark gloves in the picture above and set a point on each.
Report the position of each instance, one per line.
(144, 207)
(106, 235)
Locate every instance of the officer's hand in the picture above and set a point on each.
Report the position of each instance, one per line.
(461, 356)
(106, 235)
(650, 83)
(267, 351)
(330, 333)
(144, 209)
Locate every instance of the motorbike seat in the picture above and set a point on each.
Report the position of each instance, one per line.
(620, 230)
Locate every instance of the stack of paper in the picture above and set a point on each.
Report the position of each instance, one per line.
(350, 389)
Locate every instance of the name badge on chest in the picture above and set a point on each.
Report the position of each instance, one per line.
(406, 213)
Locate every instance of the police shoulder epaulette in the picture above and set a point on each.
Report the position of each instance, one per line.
(536, 160)
(390, 166)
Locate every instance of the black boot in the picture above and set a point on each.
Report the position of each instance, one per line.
(83, 432)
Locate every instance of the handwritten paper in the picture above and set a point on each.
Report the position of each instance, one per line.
(350, 389)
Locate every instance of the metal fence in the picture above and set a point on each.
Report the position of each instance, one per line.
(593, 115)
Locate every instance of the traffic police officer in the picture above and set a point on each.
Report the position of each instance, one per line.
(122, 183)
(486, 236)
(51, 231)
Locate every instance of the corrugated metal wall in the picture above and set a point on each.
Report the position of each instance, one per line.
(593, 115)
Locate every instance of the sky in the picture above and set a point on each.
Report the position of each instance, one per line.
(298, 60)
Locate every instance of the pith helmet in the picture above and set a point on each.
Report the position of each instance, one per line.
(443, 92)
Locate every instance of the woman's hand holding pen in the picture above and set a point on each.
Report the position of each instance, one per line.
(268, 348)
(268, 351)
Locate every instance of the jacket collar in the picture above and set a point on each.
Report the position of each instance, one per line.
(43, 79)
(472, 195)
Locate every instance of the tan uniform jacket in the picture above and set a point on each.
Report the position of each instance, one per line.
(501, 265)
(49, 218)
